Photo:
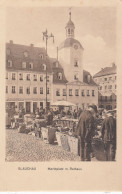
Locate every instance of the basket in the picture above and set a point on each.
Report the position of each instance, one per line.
(58, 137)
(64, 142)
(44, 133)
(73, 144)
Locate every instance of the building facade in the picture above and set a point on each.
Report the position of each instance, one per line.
(26, 77)
(107, 86)
(66, 80)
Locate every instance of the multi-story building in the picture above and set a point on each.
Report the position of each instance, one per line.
(106, 80)
(26, 77)
(66, 79)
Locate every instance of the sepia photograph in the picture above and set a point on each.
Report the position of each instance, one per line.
(61, 84)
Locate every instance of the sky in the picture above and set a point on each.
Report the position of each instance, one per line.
(95, 28)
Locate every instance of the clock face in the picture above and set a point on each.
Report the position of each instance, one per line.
(75, 46)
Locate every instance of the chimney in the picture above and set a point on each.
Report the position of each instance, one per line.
(88, 78)
(11, 41)
(32, 45)
(113, 64)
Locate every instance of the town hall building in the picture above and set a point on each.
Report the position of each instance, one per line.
(26, 68)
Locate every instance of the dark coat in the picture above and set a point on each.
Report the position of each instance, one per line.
(109, 129)
(86, 127)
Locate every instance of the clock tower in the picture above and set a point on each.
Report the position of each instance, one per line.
(70, 54)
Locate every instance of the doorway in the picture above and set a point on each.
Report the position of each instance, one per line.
(28, 107)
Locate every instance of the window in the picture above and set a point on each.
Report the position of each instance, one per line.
(20, 76)
(115, 87)
(34, 77)
(110, 78)
(75, 63)
(41, 56)
(26, 54)
(9, 63)
(93, 93)
(13, 76)
(105, 79)
(88, 93)
(76, 92)
(48, 91)
(28, 90)
(100, 87)
(28, 77)
(47, 78)
(44, 67)
(24, 65)
(8, 51)
(64, 92)
(6, 75)
(82, 93)
(58, 92)
(76, 77)
(41, 90)
(105, 87)
(20, 90)
(34, 90)
(6, 89)
(70, 92)
(41, 78)
(31, 65)
(69, 31)
(110, 87)
(60, 76)
(13, 90)
(105, 98)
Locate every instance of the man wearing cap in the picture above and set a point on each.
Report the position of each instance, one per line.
(85, 131)
(108, 131)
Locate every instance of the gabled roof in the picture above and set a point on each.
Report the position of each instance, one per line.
(69, 42)
(17, 57)
(106, 71)
(57, 68)
(85, 78)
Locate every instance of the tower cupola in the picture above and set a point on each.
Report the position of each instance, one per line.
(70, 28)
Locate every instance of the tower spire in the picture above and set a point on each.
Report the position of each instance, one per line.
(70, 13)
(70, 27)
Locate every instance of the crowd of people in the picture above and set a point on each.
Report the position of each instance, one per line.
(88, 120)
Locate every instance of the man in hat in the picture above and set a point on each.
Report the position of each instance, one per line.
(108, 131)
(85, 131)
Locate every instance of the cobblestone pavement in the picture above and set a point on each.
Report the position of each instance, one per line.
(23, 147)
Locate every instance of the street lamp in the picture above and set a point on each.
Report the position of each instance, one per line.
(46, 36)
